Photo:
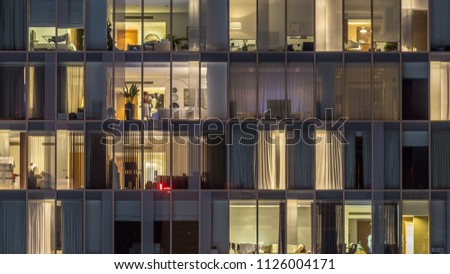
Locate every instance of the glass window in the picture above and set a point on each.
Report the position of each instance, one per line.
(415, 223)
(243, 25)
(358, 25)
(299, 226)
(41, 159)
(300, 89)
(243, 92)
(214, 212)
(42, 27)
(392, 158)
(156, 236)
(440, 149)
(14, 18)
(186, 28)
(300, 160)
(271, 157)
(214, 160)
(415, 25)
(185, 223)
(329, 160)
(329, 27)
(157, 160)
(185, 88)
(156, 91)
(41, 234)
(272, 90)
(41, 90)
(243, 223)
(358, 156)
(98, 103)
(13, 165)
(70, 91)
(358, 93)
(330, 232)
(415, 91)
(127, 223)
(439, 31)
(13, 224)
(128, 90)
(99, 18)
(271, 25)
(415, 159)
(213, 96)
(386, 227)
(300, 25)
(185, 161)
(98, 219)
(128, 159)
(386, 90)
(70, 159)
(440, 90)
(70, 32)
(329, 89)
(101, 170)
(214, 18)
(156, 25)
(69, 223)
(358, 227)
(438, 226)
(271, 224)
(12, 88)
(242, 157)
(128, 25)
(386, 25)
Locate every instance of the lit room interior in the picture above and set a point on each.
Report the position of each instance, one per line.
(243, 25)
(12, 170)
(359, 35)
(358, 228)
(415, 227)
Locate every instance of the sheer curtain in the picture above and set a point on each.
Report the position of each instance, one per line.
(440, 146)
(72, 226)
(243, 91)
(41, 226)
(12, 227)
(390, 213)
(440, 90)
(271, 155)
(12, 87)
(300, 164)
(71, 88)
(37, 92)
(386, 89)
(358, 96)
(185, 159)
(41, 151)
(328, 160)
(329, 25)
(13, 21)
(392, 160)
(300, 89)
(242, 163)
(329, 80)
(330, 229)
(272, 91)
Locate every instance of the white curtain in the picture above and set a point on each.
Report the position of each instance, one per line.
(329, 25)
(300, 89)
(243, 91)
(72, 226)
(75, 88)
(41, 226)
(386, 88)
(440, 90)
(12, 227)
(328, 160)
(185, 159)
(271, 160)
(272, 87)
(41, 151)
(358, 96)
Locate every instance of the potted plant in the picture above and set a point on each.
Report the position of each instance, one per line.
(130, 94)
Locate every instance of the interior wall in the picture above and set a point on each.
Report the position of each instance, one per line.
(243, 224)
(304, 227)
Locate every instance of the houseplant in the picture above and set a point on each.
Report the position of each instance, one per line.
(130, 94)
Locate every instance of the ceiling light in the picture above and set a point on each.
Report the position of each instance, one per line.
(235, 26)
